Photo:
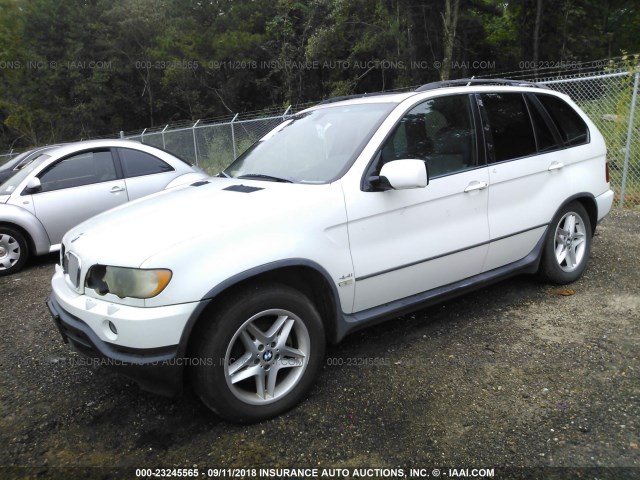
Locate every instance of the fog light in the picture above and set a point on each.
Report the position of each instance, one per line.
(109, 330)
(113, 328)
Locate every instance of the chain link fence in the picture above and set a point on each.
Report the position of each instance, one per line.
(608, 95)
(211, 146)
(610, 99)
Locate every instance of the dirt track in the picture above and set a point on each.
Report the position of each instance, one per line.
(516, 374)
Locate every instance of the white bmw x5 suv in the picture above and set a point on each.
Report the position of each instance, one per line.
(347, 214)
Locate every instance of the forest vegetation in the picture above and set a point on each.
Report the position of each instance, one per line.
(80, 68)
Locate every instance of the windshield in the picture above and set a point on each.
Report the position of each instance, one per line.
(11, 183)
(312, 147)
(9, 164)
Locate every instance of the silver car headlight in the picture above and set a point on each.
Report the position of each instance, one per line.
(128, 282)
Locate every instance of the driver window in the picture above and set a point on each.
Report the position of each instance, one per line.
(82, 169)
(440, 132)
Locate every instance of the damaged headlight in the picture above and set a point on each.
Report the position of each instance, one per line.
(128, 282)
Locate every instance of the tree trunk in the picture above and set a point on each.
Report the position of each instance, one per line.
(449, 25)
(536, 35)
(565, 24)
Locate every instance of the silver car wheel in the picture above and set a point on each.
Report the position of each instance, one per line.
(9, 251)
(570, 242)
(267, 357)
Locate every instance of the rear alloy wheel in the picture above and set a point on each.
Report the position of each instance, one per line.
(13, 251)
(568, 245)
(263, 352)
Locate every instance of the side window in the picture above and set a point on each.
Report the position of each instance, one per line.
(84, 168)
(545, 139)
(440, 131)
(510, 125)
(136, 163)
(571, 127)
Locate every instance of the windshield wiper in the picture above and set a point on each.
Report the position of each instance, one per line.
(270, 178)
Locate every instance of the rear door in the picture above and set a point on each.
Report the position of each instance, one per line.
(75, 189)
(144, 173)
(529, 171)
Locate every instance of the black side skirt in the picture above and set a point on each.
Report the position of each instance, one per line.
(349, 323)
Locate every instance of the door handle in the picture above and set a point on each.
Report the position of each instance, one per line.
(117, 189)
(475, 185)
(555, 166)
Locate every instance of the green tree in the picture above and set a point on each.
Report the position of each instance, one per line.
(82, 68)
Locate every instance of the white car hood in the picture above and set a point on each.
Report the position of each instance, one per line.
(4, 198)
(220, 210)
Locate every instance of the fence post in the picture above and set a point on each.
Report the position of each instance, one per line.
(164, 145)
(233, 136)
(627, 153)
(195, 141)
(284, 115)
(142, 136)
(122, 134)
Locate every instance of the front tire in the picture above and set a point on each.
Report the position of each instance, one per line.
(13, 251)
(568, 245)
(260, 354)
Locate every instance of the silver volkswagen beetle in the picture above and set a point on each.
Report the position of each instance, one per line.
(71, 183)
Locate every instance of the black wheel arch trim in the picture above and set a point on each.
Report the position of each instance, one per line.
(591, 207)
(212, 294)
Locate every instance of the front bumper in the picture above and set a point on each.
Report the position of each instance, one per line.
(134, 327)
(156, 369)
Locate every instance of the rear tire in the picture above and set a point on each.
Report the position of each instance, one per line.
(568, 245)
(260, 353)
(14, 251)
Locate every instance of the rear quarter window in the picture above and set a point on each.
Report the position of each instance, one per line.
(570, 125)
(136, 163)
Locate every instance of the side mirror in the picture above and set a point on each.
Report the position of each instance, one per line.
(403, 175)
(33, 185)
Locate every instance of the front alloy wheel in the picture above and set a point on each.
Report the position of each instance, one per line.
(258, 352)
(266, 358)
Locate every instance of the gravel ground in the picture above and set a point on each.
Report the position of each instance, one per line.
(520, 374)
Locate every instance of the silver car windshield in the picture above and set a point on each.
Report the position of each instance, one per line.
(12, 163)
(11, 183)
(312, 147)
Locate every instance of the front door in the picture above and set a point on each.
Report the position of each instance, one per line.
(75, 189)
(405, 242)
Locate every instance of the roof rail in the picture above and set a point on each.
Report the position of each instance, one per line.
(350, 97)
(477, 81)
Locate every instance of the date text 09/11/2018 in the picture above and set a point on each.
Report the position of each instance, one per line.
(267, 473)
